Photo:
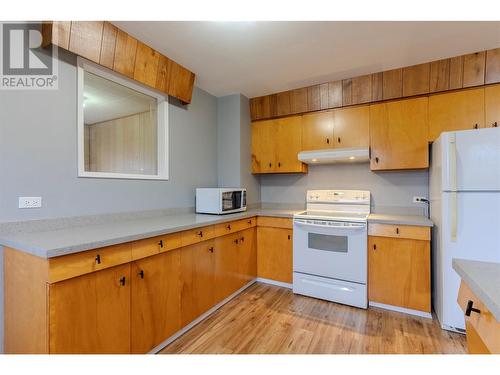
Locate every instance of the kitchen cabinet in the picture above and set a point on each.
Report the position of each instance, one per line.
(276, 144)
(247, 256)
(351, 127)
(317, 131)
(392, 84)
(91, 313)
(155, 300)
(226, 266)
(459, 110)
(492, 70)
(399, 267)
(274, 253)
(357, 90)
(492, 106)
(197, 280)
(473, 70)
(398, 135)
(416, 79)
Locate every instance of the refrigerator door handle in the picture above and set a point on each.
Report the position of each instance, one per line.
(452, 166)
(453, 216)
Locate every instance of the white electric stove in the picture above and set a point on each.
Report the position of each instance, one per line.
(330, 246)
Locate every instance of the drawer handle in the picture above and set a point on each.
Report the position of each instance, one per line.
(98, 259)
(374, 247)
(475, 126)
(249, 221)
(288, 236)
(236, 241)
(397, 230)
(141, 274)
(122, 280)
(279, 164)
(328, 141)
(376, 159)
(242, 239)
(228, 227)
(211, 249)
(161, 243)
(495, 124)
(338, 139)
(200, 233)
(471, 309)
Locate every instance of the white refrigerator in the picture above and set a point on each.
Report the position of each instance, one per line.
(465, 208)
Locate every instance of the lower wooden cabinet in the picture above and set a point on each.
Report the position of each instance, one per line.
(155, 300)
(226, 266)
(247, 256)
(399, 272)
(275, 252)
(91, 313)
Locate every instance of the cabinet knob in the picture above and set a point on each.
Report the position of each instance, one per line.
(494, 124)
(122, 280)
(475, 126)
(141, 274)
(270, 165)
(200, 233)
(338, 139)
(98, 259)
(228, 227)
(161, 243)
(376, 159)
(470, 309)
(211, 249)
(279, 164)
(397, 230)
(328, 141)
(289, 237)
(374, 247)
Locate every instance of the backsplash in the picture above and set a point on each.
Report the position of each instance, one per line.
(392, 192)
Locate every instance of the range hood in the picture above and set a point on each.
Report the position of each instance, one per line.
(335, 155)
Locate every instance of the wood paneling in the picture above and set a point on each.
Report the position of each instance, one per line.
(91, 313)
(56, 32)
(335, 94)
(351, 127)
(439, 75)
(317, 131)
(474, 65)
(283, 103)
(313, 98)
(459, 110)
(274, 254)
(288, 144)
(108, 44)
(125, 52)
(398, 135)
(399, 272)
(264, 134)
(377, 87)
(323, 96)
(163, 74)
(86, 38)
(155, 300)
(298, 100)
(492, 70)
(198, 280)
(492, 106)
(456, 72)
(416, 79)
(72, 265)
(146, 65)
(181, 82)
(400, 231)
(392, 81)
(25, 303)
(357, 90)
(274, 222)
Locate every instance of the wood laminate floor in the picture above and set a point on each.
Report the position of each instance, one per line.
(271, 319)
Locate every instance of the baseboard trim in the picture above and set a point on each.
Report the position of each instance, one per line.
(404, 310)
(274, 282)
(199, 319)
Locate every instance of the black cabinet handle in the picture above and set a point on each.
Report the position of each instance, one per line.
(279, 164)
(122, 280)
(374, 247)
(98, 259)
(211, 249)
(200, 233)
(249, 221)
(289, 237)
(270, 165)
(376, 159)
(338, 139)
(236, 241)
(397, 230)
(228, 227)
(328, 141)
(470, 309)
(495, 125)
(141, 274)
(475, 126)
(161, 243)
(242, 239)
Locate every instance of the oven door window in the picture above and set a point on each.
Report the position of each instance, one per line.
(327, 242)
(231, 200)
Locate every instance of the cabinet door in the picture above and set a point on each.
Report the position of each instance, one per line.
(459, 110)
(492, 106)
(91, 313)
(351, 127)
(197, 278)
(263, 151)
(156, 300)
(398, 135)
(289, 144)
(247, 256)
(226, 266)
(274, 254)
(317, 131)
(399, 272)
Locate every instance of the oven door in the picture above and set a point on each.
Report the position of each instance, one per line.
(330, 249)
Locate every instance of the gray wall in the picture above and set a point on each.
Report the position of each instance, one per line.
(234, 146)
(391, 191)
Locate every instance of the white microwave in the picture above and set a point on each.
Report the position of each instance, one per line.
(220, 200)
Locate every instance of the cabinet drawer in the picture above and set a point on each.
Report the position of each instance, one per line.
(155, 245)
(484, 323)
(69, 266)
(234, 226)
(274, 222)
(196, 235)
(400, 231)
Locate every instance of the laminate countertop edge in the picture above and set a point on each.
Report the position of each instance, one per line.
(416, 220)
(483, 278)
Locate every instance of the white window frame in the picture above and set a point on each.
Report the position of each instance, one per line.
(162, 123)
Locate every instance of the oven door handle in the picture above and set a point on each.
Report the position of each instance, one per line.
(309, 225)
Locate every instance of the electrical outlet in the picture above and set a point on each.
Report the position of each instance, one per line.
(30, 202)
(419, 199)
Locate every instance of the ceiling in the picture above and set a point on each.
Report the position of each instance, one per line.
(259, 58)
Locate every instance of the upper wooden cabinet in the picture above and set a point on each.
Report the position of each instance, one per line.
(351, 127)
(398, 135)
(492, 106)
(458, 110)
(276, 144)
(107, 45)
(317, 131)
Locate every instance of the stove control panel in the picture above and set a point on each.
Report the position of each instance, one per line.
(338, 196)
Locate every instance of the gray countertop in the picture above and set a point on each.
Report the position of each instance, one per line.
(483, 278)
(57, 242)
(418, 220)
